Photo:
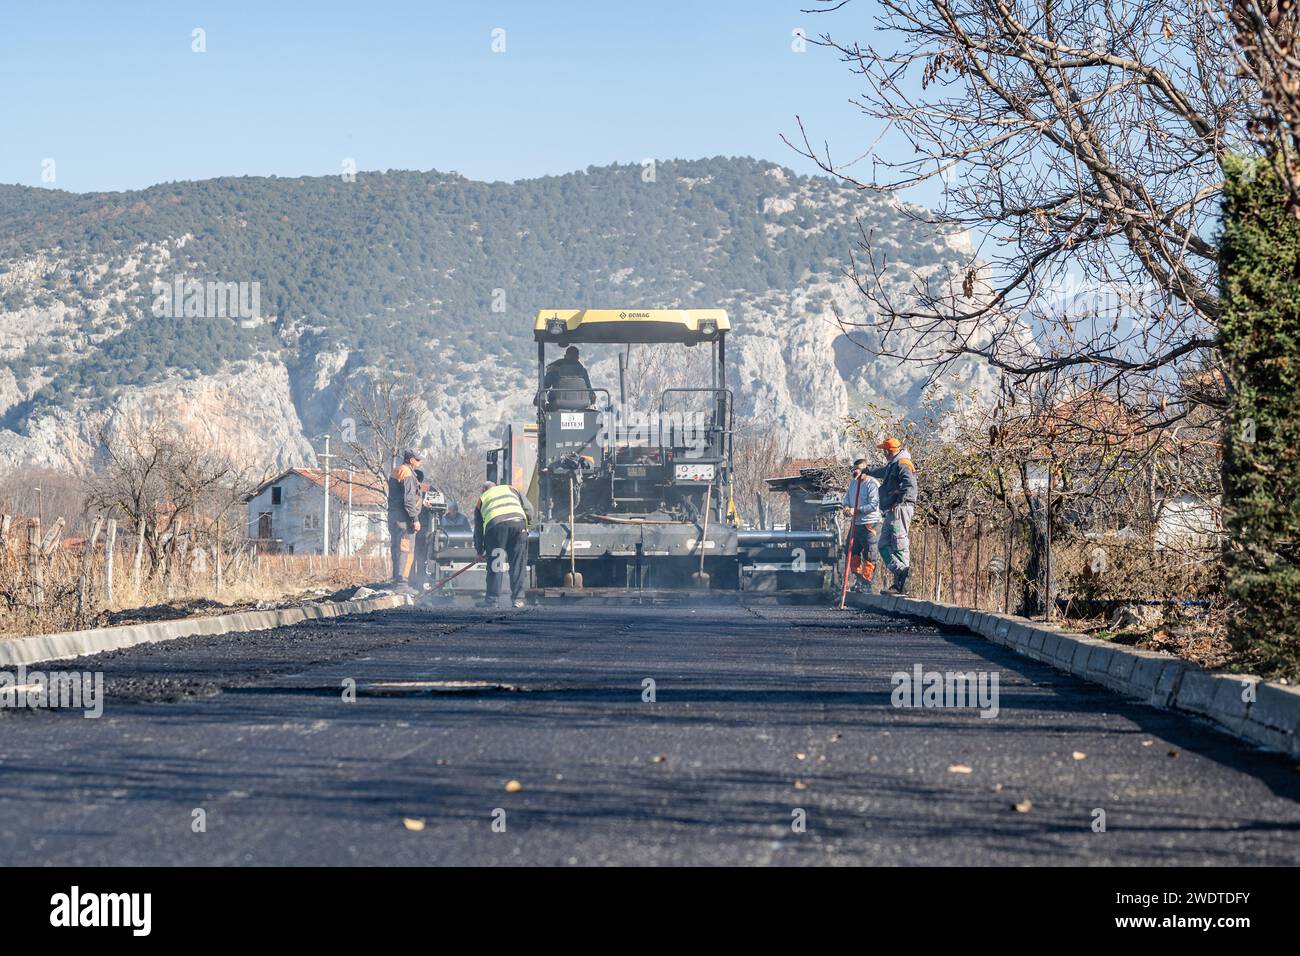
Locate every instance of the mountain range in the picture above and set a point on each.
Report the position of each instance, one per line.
(107, 299)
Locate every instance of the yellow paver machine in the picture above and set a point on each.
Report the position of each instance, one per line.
(634, 491)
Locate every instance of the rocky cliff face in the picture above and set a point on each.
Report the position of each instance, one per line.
(246, 413)
(791, 364)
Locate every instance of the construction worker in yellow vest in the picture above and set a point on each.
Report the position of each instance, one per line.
(501, 520)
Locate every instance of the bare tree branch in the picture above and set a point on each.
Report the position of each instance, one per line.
(1080, 143)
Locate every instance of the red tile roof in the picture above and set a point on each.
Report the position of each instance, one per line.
(363, 494)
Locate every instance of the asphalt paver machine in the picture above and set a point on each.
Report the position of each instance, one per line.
(634, 491)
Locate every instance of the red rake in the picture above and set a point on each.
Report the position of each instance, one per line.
(848, 558)
(453, 577)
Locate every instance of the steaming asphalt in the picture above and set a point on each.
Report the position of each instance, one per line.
(762, 716)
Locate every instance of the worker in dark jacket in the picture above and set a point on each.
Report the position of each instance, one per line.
(567, 383)
(897, 479)
(404, 502)
(501, 520)
(425, 524)
(453, 520)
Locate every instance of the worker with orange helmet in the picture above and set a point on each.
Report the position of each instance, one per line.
(898, 487)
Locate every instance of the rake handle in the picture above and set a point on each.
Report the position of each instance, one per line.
(853, 524)
(452, 577)
(573, 567)
(704, 535)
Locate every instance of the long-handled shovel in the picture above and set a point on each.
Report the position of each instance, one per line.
(574, 578)
(701, 577)
(848, 558)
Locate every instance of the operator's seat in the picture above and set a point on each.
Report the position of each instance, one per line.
(566, 399)
(567, 386)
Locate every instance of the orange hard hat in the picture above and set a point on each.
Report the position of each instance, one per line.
(890, 445)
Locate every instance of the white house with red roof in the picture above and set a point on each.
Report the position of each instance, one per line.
(286, 513)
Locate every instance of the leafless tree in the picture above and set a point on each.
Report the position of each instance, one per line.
(759, 452)
(169, 487)
(458, 475)
(380, 419)
(44, 492)
(983, 501)
(653, 368)
(1081, 143)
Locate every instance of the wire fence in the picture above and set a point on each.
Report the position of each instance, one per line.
(1003, 564)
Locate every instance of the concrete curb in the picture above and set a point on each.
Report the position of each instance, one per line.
(53, 647)
(1262, 712)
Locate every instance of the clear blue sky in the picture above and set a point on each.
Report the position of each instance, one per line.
(113, 93)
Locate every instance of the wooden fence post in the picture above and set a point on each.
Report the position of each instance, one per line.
(35, 566)
(51, 542)
(87, 562)
(922, 560)
(139, 554)
(936, 542)
(954, 571)
(1006, 584)
(177, 563)
(110, 545)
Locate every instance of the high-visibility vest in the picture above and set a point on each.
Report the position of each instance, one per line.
(501, 501)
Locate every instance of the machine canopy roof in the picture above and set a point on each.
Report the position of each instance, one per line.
(618, 326)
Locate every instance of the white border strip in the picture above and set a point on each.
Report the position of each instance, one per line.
(53, 647)
(1263, 712)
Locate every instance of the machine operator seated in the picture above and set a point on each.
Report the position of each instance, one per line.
(566, 385)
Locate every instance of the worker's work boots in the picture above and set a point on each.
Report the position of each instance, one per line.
(900, 582)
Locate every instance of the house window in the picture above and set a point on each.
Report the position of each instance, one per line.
(264, 525)
(311, 521)
(277, 495)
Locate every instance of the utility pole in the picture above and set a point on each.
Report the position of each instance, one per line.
(325, 518)
(348, 537)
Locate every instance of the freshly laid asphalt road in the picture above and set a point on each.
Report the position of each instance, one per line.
(762, 716)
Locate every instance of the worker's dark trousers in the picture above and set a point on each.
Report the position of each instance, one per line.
(419, 568)
(506, 541)
(403, 555)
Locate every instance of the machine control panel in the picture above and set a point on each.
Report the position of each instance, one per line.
(693, 472)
